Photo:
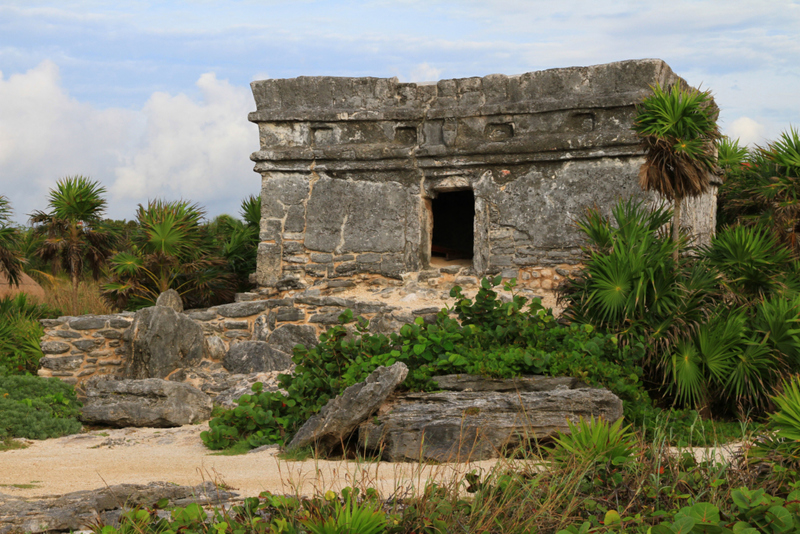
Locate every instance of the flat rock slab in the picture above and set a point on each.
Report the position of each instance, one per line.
(523, 383)
(82, 509)
(151, 402)
(341, 416)
(461, 426)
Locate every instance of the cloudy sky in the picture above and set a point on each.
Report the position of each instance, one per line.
(151, 97)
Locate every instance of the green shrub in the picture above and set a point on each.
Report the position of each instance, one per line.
(720, 326)
(37, 408)
(595, 441)
(490, 338)
(20, 333)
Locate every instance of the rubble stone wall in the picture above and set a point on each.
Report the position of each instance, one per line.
(350, 167)
(78, 348)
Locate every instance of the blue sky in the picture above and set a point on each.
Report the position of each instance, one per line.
(151, 98)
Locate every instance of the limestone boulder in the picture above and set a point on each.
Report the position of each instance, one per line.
(150, 402)
(247, 357)
(171, 299)
(285, 337)
(161, 340)
(478, 425)
(523, 383)
(342, 415)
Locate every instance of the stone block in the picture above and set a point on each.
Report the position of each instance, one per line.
(88, 322)
(290, 314)
(63, 363)
(68, 334)
(54, 347)
(110, 333)
(255, 356)
(242, 309)
(86, 344)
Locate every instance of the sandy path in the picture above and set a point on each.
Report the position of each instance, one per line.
(141, 455)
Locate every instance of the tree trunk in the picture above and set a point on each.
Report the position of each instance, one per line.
(75, 281)
(676, 225)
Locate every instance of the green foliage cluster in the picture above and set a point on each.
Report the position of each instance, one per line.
(169, 245)
(488, 337)
(762, 187)
(37, 408)
(720, 325)
(20, 333)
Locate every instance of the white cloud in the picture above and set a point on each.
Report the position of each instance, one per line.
(747, 131)
(46, 135)
(425, 72)
(174, 147)
(195, 150)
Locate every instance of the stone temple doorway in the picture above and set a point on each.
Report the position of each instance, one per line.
(452, 238)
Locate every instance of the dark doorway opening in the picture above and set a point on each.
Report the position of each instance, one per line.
(453, 223)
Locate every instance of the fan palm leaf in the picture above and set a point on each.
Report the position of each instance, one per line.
(11, 261)
(678, 129)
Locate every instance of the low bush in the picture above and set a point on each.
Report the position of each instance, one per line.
(720, 324)
(37, 408)
(20, 333)
(489, 337)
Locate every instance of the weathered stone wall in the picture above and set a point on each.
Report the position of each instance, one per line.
(349, 167)
(78, 348)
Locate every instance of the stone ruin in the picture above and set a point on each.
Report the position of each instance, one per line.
(399, 191)
(372, 176)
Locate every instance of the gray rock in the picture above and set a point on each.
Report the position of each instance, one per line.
(461, 426)
(62, 363)
(215, 348)
(68, 334)
(54, 347)
(206, 315)
(88, 322)
(264, 325)
(235, 385)
(523, 383)
(255, 356)
(171, 299)
(161, 341)
(86, 344)
(287, 336)
(242, 309)
(82, 509)
(150, 402)
(340, 417)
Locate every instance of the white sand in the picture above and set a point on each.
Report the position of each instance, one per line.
(141, 455)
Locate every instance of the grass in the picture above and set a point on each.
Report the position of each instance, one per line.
(241, 447)
(644, 486)
(9, 444)
(299, 454)
(58, 294)
(19, 486)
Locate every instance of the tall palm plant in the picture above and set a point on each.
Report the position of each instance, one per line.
(171, 250)
(10, 259)
(678, 129)
(73, 230)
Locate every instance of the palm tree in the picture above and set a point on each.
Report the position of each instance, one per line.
(73, 230)
(171, 250)
(678, 129)
(10, 259)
